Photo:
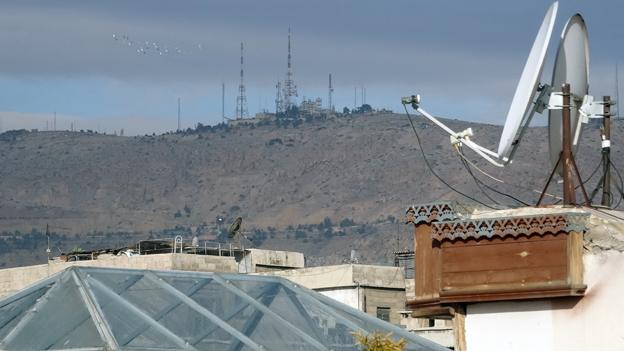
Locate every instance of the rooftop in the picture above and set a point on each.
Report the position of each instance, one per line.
(120, 309)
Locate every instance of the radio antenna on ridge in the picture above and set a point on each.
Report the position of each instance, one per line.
(241, 99)
(290, 89)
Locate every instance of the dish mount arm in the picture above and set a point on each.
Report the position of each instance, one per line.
(461, 138)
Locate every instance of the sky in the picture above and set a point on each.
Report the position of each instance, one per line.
(465, 58)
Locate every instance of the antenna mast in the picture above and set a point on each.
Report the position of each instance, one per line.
(222, 102)
(362, 93)
(617, 90)
(606, 152)
(330, 105)
(279, 102)
(241, 100)
(290, 89)
(179, 124)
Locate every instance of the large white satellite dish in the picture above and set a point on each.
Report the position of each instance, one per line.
(523, 106)
(571, 66)
(521, 109)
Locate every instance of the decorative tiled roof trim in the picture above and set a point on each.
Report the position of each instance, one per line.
(433, 212)
(509, 226)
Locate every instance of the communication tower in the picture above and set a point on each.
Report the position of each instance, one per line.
(279, 102)
(290, 89)
(241, 99)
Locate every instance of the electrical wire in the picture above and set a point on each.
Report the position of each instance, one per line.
(466, 164)
(478, 182)
(621, 187)
(461, 154)
(422, 151)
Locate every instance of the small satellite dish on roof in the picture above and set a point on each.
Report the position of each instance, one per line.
(235, 227)
(571, 66)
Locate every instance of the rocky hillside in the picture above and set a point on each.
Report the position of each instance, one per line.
(105, 189)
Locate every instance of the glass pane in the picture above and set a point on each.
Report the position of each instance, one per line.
(62, 303)
(182, 283)
(82, 335)
(13, 312)
(339, 319)
(192, 326)
(264, 329)
(116, 280)
(127, 323)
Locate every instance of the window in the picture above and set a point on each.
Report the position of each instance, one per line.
(383, 313)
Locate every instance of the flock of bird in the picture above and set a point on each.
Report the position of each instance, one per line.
(153, 48)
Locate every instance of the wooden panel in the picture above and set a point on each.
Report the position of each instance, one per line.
(575, 258)
(511, 268)
(504, 255)
(459, 328)
(498, 240)
(527, 275)
(426, 264)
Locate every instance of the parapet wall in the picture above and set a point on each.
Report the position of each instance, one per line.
(15, 279)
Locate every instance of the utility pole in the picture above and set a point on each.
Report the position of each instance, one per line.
(569, 196)
(48, 251)
(617, 90)
(606, 152)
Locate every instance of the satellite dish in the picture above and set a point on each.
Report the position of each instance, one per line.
(571, 66)
(521, 109)
(235, 227)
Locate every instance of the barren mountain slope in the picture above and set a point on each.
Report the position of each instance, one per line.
(364, 168)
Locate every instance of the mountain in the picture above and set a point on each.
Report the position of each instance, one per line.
(95, 190)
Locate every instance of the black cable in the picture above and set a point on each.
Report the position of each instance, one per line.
(487, 186)
(583, 182)
(422, 151)
(478, 182)
(593, 172)
(598, 186)
(621, 187)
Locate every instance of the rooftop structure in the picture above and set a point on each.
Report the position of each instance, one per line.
(205, 259)
(376, 290)
(551, 272)
(116, 309)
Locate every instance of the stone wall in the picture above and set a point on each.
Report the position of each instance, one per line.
(15, 279)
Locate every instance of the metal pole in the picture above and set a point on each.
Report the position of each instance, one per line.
(606, 152)
(179, 115)
(569, 195)
(539, 201)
